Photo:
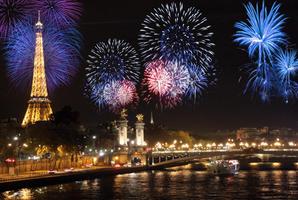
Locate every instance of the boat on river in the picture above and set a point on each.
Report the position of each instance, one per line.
(223, 167)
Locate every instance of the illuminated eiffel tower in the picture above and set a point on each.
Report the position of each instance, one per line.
(39, 105)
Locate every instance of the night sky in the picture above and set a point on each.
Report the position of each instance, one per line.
(222, 107)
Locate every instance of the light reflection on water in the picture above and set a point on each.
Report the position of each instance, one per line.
(172, 184)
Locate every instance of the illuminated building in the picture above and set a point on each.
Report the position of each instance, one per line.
(140, 130)
(39, 105)
(122, 129)
(248, 133)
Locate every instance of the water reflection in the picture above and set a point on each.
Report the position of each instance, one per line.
(172, 184)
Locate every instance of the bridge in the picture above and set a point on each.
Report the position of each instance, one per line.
(164, 159)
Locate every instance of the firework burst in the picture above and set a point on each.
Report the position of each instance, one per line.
(157, 77)
(168, 81)
(112, 72)
(180, 78)
(13, 12)
(61, 53)
(259, 84)
(176, 42)
(172, 32)
(110, 95)
(60, 13)
(263, 36)
(287, 66)
(126, 93)
(198, 82)
(114, 95)
(113, 60)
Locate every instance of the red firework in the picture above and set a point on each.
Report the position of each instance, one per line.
(157, 78)
(126, 93)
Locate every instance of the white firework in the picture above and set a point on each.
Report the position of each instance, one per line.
(174, 32)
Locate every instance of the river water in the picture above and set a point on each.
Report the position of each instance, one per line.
(179, 183)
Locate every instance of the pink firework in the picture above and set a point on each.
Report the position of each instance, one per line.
(157, 77)
(118, 94)
(126, 93)
(166, 80)
(171, 100)
(180, 79)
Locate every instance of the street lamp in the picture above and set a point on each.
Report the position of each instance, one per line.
(292, 144)
(93, 142)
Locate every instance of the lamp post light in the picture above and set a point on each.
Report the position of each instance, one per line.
(93, 143)
(291, 144)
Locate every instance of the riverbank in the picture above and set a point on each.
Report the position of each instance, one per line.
(50, 179)
(23, 181)
(44, 178)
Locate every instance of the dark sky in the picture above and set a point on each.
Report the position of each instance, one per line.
(222, 107)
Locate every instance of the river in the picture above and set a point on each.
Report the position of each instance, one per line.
(177, 183)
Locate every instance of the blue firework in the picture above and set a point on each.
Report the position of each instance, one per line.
(96, 94)
(114, 95)
(260, 84)
(60, 13)
(112, 60)
(179, 76)
(172, 32)
(263, 36)
(198, 82)
(13, 12)
(287, 66)
(61, 54)
(110, 94)
(113, 67)
(181, 37)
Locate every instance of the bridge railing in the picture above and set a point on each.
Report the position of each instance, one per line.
(280, 150)
(220, 150)
(195, 151)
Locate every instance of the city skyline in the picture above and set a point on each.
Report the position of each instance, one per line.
(223, 107)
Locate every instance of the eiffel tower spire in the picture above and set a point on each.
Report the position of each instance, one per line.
(39, 105)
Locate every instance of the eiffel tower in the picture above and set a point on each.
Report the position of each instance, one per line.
(39, 105)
